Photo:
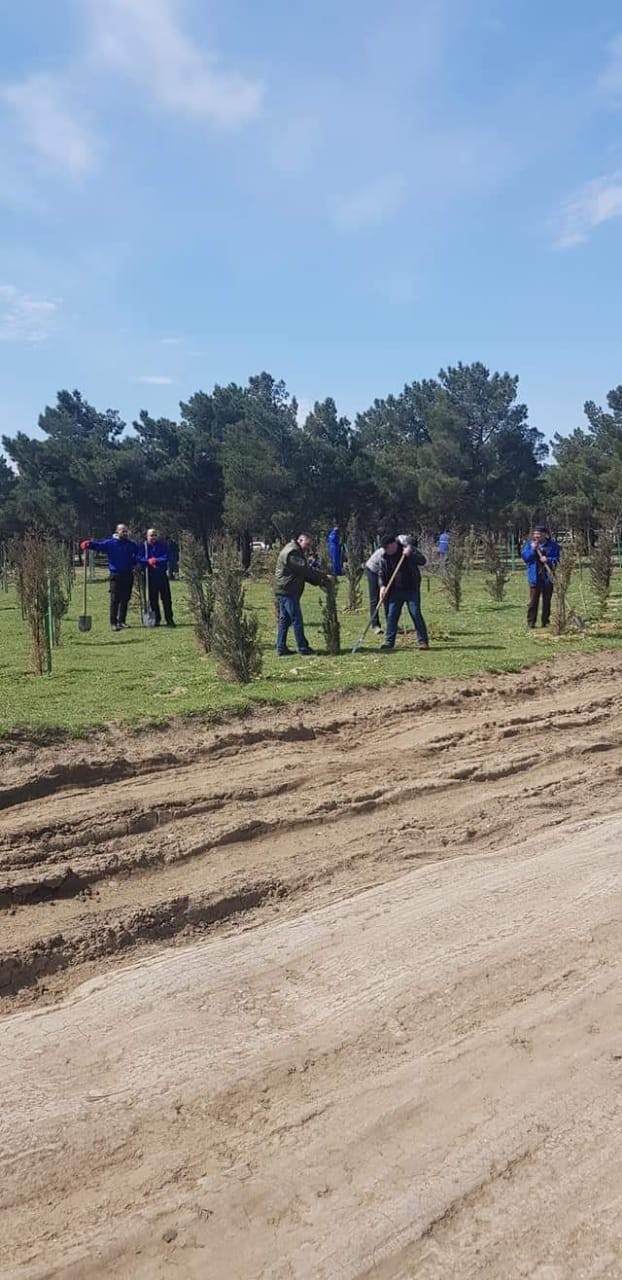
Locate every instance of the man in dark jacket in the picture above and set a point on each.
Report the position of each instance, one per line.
(292, 572)
(122, 553)
(541, 555)
(154, 555)
(405, 590)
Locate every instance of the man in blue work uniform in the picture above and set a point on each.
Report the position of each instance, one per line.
(541, 555)
(154, 555)
(122, 553)
(335, 551)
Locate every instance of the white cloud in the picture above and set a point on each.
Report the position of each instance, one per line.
(610, 82)
(47, 123)
(170, 342)
(24, 318)
(592, 205)
(153, 380)
(370, 204)
(143, 39)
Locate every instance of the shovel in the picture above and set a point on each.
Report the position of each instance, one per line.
(149, 618)
(85, 621)
(356, 647)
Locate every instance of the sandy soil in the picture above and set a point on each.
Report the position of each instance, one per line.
(390, 1045)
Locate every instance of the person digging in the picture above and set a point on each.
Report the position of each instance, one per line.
(293, 571)
(541, 555)
(399, 579)
(122, 554)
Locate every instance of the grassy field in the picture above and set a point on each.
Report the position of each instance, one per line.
(143, 674)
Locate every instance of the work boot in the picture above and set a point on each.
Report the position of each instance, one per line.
(307, 653)
(377, 629)
(424, 645)
(386, 648)
(171, 623)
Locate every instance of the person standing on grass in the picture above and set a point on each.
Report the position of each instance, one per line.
(541, 555)
(405, 590)
(335, 550)
(292, 573)
(122, 554)
(155, 557)
(372, 569)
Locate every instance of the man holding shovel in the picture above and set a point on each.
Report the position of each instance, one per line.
(154, 557)
(121, 553)
(400, 584)
(541, 555)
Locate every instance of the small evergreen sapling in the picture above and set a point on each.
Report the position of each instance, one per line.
(601, 570)
(200, 591)
(330, 619)
(235, 634)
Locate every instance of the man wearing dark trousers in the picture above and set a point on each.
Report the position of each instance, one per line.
(541, 555)
(405, 589)
(155, 557)
(121, 553)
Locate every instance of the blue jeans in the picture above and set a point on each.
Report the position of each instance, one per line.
(290, 615)
(412, 600)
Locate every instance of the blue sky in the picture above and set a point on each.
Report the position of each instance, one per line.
(349, 195)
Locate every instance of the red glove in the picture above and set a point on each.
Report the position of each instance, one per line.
(152, 562)
(84, 546)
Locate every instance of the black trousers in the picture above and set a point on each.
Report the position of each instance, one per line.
(120, 591)
(543, 590)
(159, 589)
(373, 587)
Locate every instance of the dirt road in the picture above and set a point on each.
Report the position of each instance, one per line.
(393, 1048)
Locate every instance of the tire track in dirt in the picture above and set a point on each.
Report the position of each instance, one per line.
(123, 843)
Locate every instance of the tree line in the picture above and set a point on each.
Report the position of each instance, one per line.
(455, 450)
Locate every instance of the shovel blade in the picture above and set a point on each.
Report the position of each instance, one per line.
(149, 619)
(84, 622)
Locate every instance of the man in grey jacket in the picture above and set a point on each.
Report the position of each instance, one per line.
(293, 571)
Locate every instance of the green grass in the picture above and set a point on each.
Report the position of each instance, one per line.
(142, 674)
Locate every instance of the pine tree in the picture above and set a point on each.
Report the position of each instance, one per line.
(560, 613)
(354, 564)
(498, 572)
(235, 636)
(330, 619)
(200, 590)
(601, 570)
(455, 563)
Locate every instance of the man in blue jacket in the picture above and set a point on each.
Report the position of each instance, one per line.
(154, 555)
(122, 553)
(335, 551)
(541, 555)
